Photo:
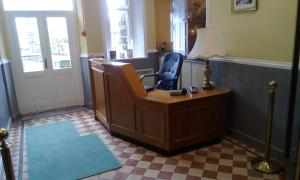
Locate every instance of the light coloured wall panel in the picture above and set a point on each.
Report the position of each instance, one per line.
(267, 33)
(186, 74)
(197, 75)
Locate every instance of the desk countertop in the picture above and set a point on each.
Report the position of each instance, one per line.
(164, 97)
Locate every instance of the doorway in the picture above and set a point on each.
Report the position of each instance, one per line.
(45, 62)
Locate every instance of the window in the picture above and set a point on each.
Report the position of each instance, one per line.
(38, 5)
(118, 13)
(124, 31)
(178, 26)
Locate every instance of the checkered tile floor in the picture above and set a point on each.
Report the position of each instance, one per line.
(219, 161)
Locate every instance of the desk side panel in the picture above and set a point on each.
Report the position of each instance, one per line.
(121, 106)
(193, 123)
(100, 106)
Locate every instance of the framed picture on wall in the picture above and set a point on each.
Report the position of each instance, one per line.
(244, 5)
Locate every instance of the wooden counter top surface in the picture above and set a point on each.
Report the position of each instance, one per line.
(161, 96)
(164, 97)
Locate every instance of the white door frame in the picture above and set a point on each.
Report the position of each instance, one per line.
(15, 55)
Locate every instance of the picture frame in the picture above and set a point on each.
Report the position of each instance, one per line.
(243, 5)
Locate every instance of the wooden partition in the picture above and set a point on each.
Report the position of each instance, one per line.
(155, 118)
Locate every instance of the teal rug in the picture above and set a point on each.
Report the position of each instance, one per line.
(57, 152)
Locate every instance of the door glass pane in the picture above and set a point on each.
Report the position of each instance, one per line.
(59, 42)
(29, 42)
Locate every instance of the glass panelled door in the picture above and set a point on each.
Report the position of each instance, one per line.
(29, 44)
(59, 42)
(45, 65)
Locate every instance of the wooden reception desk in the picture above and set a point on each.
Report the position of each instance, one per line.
(155, 118)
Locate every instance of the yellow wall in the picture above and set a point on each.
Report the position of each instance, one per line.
(88, 12)
(267, 33)
(151, 24)
(93, 26)
(162, 13)
(3, 40)
(2, 48)
(83, 41)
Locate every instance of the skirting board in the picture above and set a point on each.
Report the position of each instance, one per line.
(88, 104)
(16, 116)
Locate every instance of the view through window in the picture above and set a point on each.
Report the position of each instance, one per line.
(59, 42)
(29, 42)
(119, 27)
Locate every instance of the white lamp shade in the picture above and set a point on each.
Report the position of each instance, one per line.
(207, 45)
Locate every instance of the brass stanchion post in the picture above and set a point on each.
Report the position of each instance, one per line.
(6, 157)
(265, 165)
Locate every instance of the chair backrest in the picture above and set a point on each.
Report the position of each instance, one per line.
(170, 69)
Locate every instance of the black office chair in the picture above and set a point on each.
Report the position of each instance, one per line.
(168, 74)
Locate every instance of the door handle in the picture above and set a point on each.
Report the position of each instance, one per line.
(45, 63)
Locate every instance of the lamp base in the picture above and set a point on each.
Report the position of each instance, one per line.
(207, 72)
(264, 166)
(207, 86)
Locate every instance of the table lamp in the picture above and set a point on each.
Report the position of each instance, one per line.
(206, 46)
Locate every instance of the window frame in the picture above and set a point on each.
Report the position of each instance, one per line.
(131, 32)
(129, 25)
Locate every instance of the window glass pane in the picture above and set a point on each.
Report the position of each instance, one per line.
(115, 4)
(119, 32)
(29, 42)
(38, 5)
(59, 42)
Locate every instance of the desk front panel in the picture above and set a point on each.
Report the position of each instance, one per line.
(202, 120)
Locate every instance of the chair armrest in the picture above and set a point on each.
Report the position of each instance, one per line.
(166, 81)
(149, 75)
